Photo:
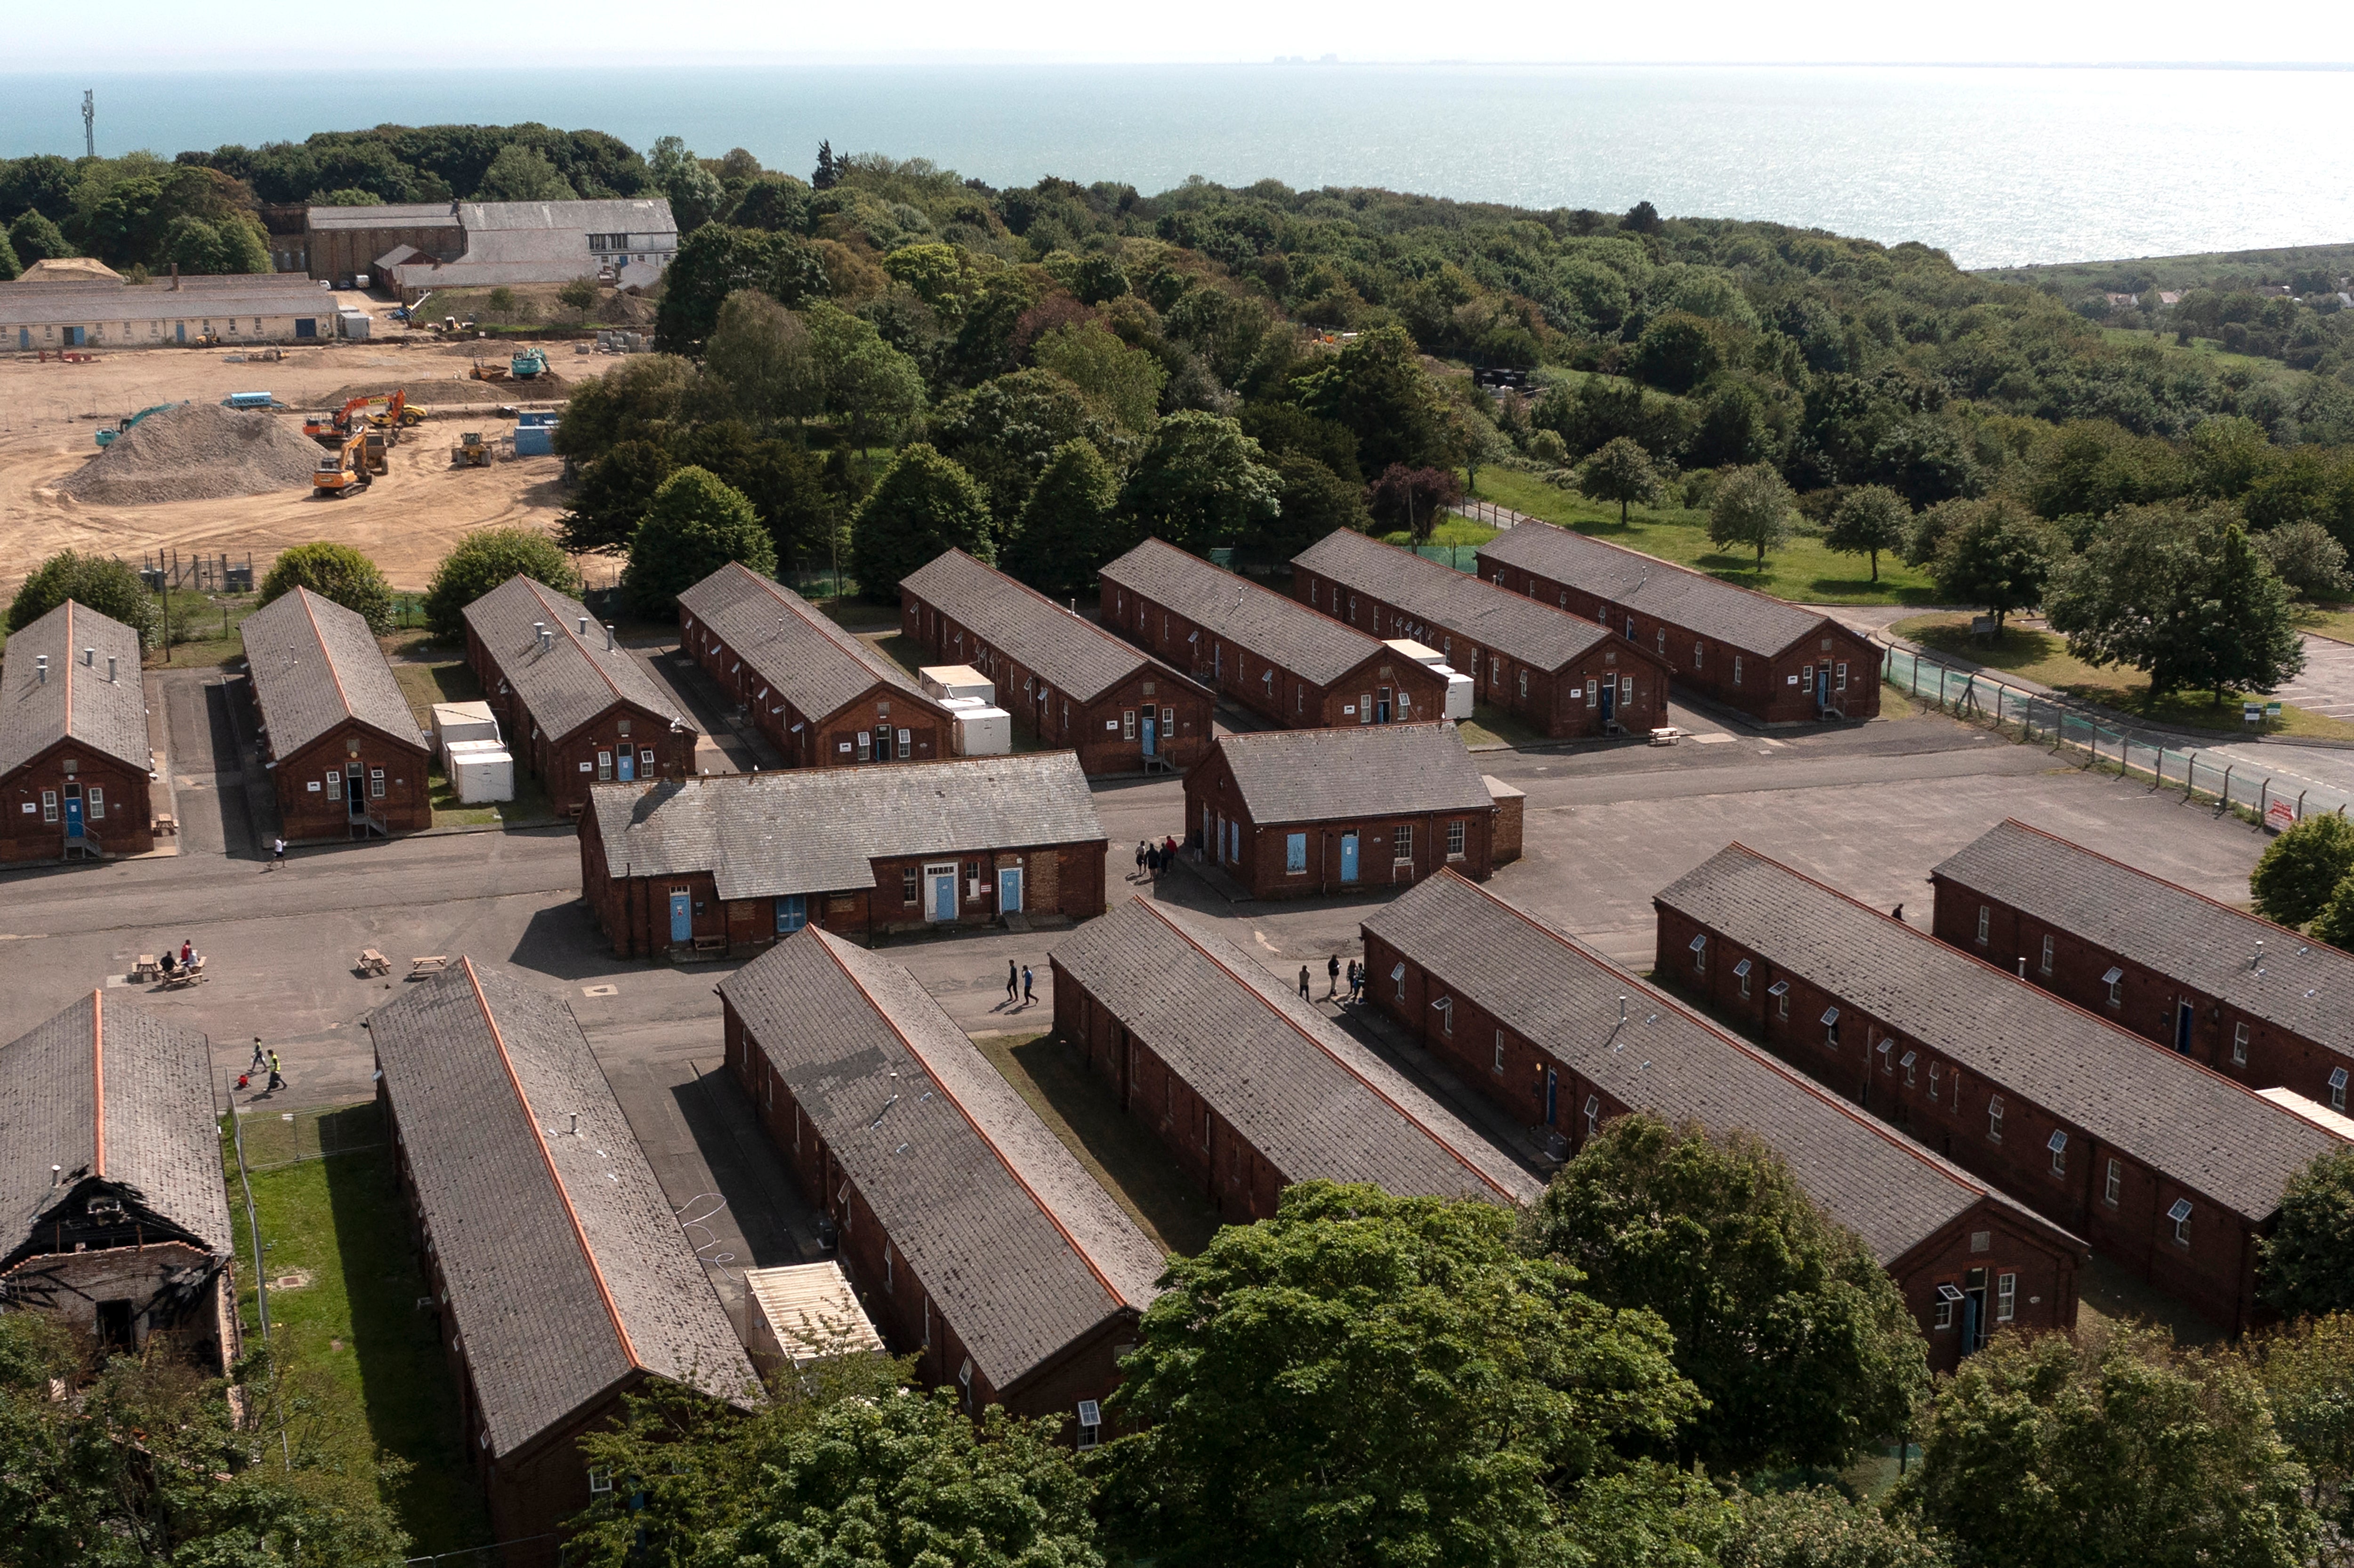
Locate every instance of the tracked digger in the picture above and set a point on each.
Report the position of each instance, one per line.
(348, 469)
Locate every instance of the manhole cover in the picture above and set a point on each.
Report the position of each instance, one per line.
(601, 991)
(294, 1281)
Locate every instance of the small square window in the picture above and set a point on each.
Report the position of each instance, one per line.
(1947, 1300)
(600, 1480)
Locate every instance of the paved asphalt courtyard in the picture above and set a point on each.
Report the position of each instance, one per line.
(1870, 809)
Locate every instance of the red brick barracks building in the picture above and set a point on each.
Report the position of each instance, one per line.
(735, 862)
(975, 1240)
(1064, 678)
(2255, 1001)
(824, 698)
(1272, 654)
(2169, 1167)
(1249, 1087)
(1289, 813)
(73, 740)
(344, 750)
(1756, 654)
(561, 1280)
(572, 707)
(127, 1239)
(1560, 1036)
(1565, 674)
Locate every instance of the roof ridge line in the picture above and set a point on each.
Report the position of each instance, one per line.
(1503, 595)
(548, 1156)
(1374, 1089)
(2152, 876)
(1677, 567)
(1310, 610)
(321, 639)
(946, 1093)
(1911, 1148)
(573, 638)
(1121, 643)
(65, 730)
(841, 635)
(2029, 989)
(98, 1080)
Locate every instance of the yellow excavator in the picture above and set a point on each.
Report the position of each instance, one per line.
(471, 451)
(345, 469)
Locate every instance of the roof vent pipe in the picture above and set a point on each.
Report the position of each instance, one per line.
(110, 669)
(2023, 966)
(2259, 958)
(89, 657)
(1622, 1010)
(56, 1174)
(584, 626)
(608, 637)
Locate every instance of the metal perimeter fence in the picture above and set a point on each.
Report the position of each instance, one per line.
(2034, 719)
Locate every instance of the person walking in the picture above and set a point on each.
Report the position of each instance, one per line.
(277, 854)
(1357, 984)
(277, 1079)
(1013, 980)
(1028, 995)
(1303, 982)
(1140, 857)
(1332, 977)
(260, 1059)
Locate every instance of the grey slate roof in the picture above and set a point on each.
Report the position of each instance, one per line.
(566, 1266)
(1017, 1245)
(1276, 626)
(41, 304)
(1521, 628)
(1069, 653)
(798, 649)
(2305, 987)
(1366, 770)
(1310, 1100)
(2142, 1099)
(157, 1134)
(814, 830)
(579, 677)
(1721, 611)
(316, 664)
(76, 702)
(398, 214)
(1563, 997)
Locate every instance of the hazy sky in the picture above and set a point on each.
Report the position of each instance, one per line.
(277, 34)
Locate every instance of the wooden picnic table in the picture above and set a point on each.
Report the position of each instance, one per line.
(166, 824)
(147, 967)
(419, 968)
(373, 963)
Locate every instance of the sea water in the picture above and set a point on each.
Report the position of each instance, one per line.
(1996, 165)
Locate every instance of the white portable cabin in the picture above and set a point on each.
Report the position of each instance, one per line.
(482, 772)
(982, 728)
(454, 722)
(944, 683)
(1459, 685)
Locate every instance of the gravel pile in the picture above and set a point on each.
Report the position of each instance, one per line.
(458, 389)
(198, 451)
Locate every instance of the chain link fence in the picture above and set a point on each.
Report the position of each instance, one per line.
(275, 1139)
(2033, 718)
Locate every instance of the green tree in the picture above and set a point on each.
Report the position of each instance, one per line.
(35, 237)
(1200, 483)
(1996, 555)
(697, 525)
(337, 573)
(715, 262)
(2335, 923)
(1311, 502)
(762, 351)
(1816, 1527)
(2306, 1265)
(1751, 508)
(2307, 1370)
(580, 294)
(500, 301)
(482, 561)
(2228, 455)
(1368, 1380)
(1125, 381)
(10, 267)
(1412, 500)
(2107, 1449)
(2302, 867)
(2303, 556)
(1007, 429)
(1869, 520)
(522, 173)
(866, 383)
(638, 400)
(1799, 1339)
(924, 505)
(244, 247)
(1676, 352)
(1621, 472)
(1374, 388)
(1070, 525)
(145, 1461)
(2182, 595)
(96, 582)
(614, 491)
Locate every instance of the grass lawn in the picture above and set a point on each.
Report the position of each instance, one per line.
(1115, 1147)
(356, 1325)
(1803, 570)
(2328, 620)
(431, 672)
(1495, 727)
(2043, 657)
(1449, 531)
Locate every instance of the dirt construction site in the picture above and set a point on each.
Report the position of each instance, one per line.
(51, 498)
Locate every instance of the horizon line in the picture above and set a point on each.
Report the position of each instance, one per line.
(198, 65)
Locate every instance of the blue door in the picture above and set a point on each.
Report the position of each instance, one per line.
(682, 917)
(1553, 1094)
(1609, 700)
(628, 765)
(74, 335)
(1150, 729)
(1009, 890)
(73, 814)
(305, 326)
(944, 897)
(179, 331)
(1347, 857)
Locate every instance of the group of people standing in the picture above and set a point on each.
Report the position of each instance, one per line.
(1150, 857)
(1333, 974)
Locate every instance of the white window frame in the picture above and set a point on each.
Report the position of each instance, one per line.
(2005, 1297)
(1831, 1027)
(1994, 1118)
(1936, 1074)
(1909, 1058)
(1985, 924)
(1499, 1051)
(1736, 669)
(94, 803)
(2113, 1185)
(1455, 834)
(599, 1481)
(2050, 942)
(2240, 1045)
(2337, 1089)
(2058, 1144)
(1592, 1113)
(2180, 1213)
(1700, 955)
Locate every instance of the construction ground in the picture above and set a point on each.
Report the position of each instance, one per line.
(407, 520)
